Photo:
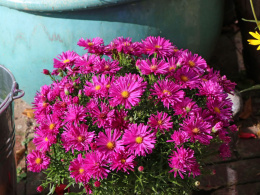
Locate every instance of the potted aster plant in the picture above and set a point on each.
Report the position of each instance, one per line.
(130, 118)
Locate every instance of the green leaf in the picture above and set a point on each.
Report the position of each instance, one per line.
(255, 87)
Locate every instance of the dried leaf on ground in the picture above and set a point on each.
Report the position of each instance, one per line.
(28, 112)
(247, 111)
(20, 154)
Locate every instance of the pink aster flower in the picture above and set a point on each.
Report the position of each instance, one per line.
(117, 120)
(126, 91)
(109, 141)
(65, 59)
(86, 63)
(187, 78)
(96, 88)
(100, 115)
(210, 89)
(96, 45)
(185, 106)
(77, 137)
(179, 137)
(183, 161)
(78, 170)
(122, 161)
(155, 67)
(75, 114)
(96, 163)
(51, 125)
(107, 67)
(159, 45)
(228, 86)
(139, 139)
(167, 92)
(37, 161)
(160, 121)
(197, 129)
(194, 61)
(172, 65)
(221, 108)
(122, 45)
(43, 140)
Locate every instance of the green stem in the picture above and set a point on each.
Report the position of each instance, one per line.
(253, 10)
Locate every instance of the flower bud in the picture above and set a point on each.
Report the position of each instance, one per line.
(80, 93)
(75, 100)
(66, 91)
(140, 168)
(46, 72)
(97, 184)
(39, 189)
(93, 146)
(197, 183)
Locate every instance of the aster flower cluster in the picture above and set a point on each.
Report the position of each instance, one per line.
(129, 117)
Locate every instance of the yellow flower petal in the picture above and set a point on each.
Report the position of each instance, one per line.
(258, 48)
(255, 35)
(253, 42)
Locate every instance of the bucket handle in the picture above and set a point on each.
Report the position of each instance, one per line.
(18, 96)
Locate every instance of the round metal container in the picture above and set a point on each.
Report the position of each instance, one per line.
(8, 92)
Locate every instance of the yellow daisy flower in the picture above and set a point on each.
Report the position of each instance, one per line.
(255, 41)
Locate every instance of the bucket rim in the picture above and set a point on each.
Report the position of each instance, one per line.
(9, 97)
(58, 5)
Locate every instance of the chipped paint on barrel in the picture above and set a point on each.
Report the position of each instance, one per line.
(29, 40)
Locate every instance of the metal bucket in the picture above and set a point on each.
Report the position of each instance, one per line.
(8, 92)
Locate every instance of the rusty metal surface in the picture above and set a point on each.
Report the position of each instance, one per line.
(59, 5)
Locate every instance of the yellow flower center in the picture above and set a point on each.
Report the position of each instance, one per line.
(125, 94)
(159, 122)
(184, 78)
(158, 46)
(191, 63)
(108, 86)
(66, 61)
(122, 160)
(38, 161)
(171, 68)
(90, 44)
(80, 138)
(139, 140)
(52, 125)
(81, 170)
(98, 87)
(110, 145)
(217, 110)
(126, 44)
(154, 67)
(195, 130)
(167, 92)
(175, 50)
(107, 67)
(44, 105)
(46, 139)
(205, 80)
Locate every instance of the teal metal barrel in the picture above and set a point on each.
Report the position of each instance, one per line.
(32, 33)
